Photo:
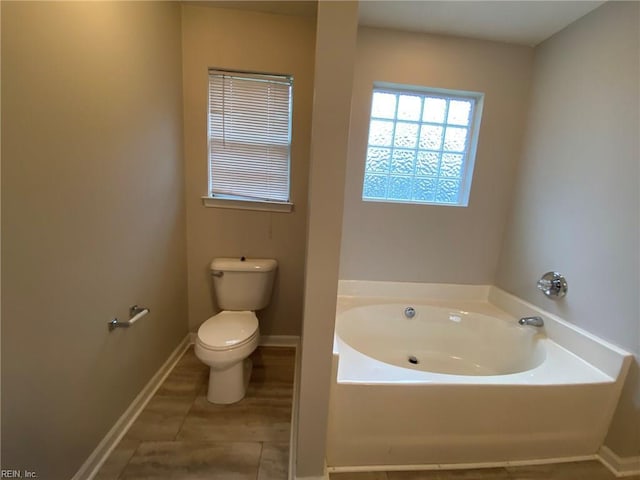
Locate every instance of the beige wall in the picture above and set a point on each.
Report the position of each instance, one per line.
(576, 207)
(335, 54)
(424, 243)
(244, 40)
(92, 220)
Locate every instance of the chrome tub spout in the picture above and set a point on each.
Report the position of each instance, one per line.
(533, 321)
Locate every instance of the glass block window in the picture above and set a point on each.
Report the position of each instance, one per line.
(421, 145)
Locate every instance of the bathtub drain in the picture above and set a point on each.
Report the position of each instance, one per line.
(413, 360)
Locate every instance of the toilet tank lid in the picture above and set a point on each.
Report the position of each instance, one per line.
(244, 264)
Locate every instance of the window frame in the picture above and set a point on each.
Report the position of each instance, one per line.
(469, 154)
(224, 200)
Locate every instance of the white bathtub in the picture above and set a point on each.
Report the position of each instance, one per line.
(485, 390)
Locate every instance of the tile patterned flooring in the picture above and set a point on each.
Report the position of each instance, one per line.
(181, 436)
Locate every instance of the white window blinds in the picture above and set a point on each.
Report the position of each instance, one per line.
(249, 135)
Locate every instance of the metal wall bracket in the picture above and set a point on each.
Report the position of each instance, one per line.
(135, 313)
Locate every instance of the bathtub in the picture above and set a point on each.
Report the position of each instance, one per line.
(461, 382)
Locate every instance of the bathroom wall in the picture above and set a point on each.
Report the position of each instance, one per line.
(425, 243)
(244, 40)
(92, 220)
(337, 28)
(576, 203)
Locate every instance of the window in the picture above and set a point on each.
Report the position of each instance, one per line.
(249, 139)
(421, 145)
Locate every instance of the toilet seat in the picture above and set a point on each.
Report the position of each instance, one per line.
(228, 330)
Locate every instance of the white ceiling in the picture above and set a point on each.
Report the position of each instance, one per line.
(526, 22)
(520, 22)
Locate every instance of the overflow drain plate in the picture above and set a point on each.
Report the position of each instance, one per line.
(413, 360)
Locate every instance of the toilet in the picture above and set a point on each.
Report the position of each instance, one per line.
(226, 340)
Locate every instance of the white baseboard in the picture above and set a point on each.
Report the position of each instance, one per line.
(462, 466)
(619, 466)
(91, 466)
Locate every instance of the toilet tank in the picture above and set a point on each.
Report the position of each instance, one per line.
(243, 283)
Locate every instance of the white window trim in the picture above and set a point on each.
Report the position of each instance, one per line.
(241, 203)
(474, 134)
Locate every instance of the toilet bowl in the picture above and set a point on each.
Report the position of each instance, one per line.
(224, 343)
(225, 340)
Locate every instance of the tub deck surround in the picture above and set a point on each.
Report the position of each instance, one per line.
(603, 355)
(554, 401)
(519, 355)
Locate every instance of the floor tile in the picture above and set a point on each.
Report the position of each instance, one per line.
(415, 475)
(194, 461)
(272, 374)
(180, 435)
(592, 470)
(476, 474)
(189, 361)
(117, 461)
(183, 382)
(268, 391)
(161, 419)
(273, 365)
(470, 474)
(264, 414)
(274, 461)
(275, 356)
(359, 476)
(266, 419)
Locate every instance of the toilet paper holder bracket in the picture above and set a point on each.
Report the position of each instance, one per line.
(136, 312)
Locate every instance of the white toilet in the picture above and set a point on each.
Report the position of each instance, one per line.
(226, 340)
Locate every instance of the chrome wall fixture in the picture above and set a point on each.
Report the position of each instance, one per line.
(135, 314)
(533, 321)
(409, 312)
(553, 285)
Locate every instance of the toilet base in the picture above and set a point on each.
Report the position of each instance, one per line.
(229, 385)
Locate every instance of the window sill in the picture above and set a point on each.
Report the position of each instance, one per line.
(239, 203)
(464, 203)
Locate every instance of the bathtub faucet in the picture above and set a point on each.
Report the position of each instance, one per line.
(533, 321)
